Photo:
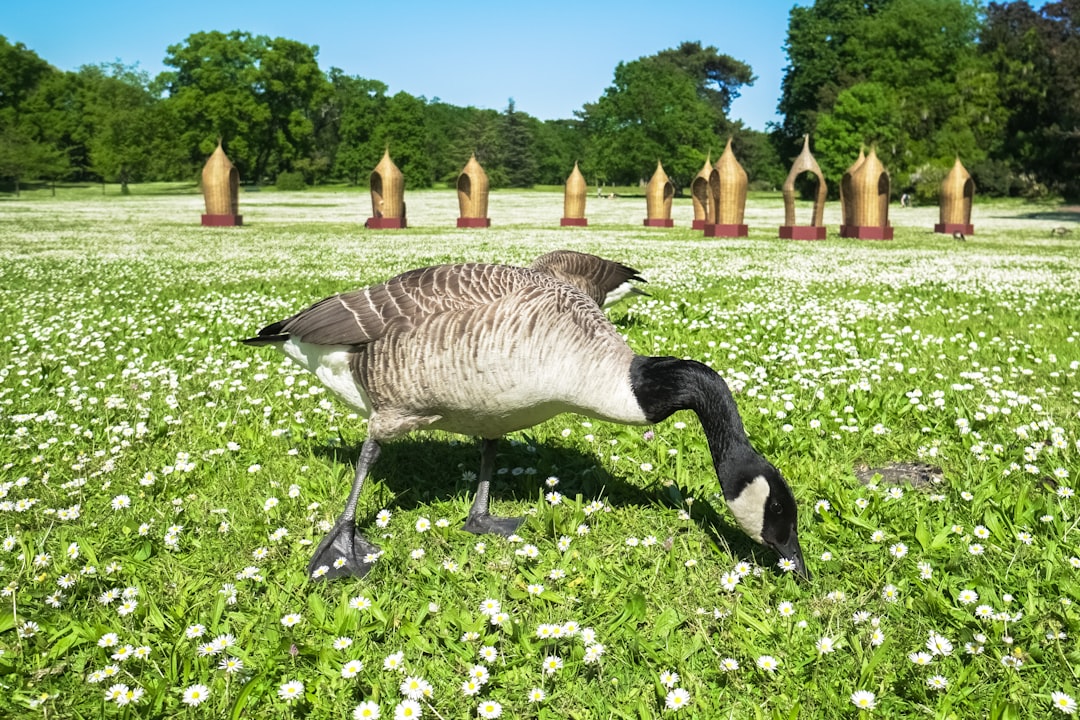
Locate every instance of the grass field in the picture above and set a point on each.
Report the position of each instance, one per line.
(162, 485)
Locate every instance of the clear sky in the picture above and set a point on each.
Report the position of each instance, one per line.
(551, 56)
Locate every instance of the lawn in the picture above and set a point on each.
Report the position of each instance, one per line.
(162, 485)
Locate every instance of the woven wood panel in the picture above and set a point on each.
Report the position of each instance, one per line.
(957, 194)
(870, 193)
(731, 197)
(700, 194)
(805, 162)
(472, 190)
(658, 195)
(387, 189)
(221, 184)
(846, 191)
(574, 195)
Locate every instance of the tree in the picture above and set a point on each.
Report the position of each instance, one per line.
(865, 115)
(718, 77)
(653, 111)
(345, 125)
(401, 129)
(518, 161)
(20, 72)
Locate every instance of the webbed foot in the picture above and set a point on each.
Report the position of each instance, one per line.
(343, 552)
(480, 524)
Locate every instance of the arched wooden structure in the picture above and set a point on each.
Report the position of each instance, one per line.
(957, 194)
(729, 197)
(658, 195)
(472, 192)
(387, 195)
(701, 195)
(221, 191)
(866, 187)
(805, 162)
(574, 199)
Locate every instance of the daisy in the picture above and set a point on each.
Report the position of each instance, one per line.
(593, 653)
(342, 643)
(489, 709)
(551, 664)
(366, 711)
(116, 692)
(488, 653)
(938, 645)
(196, 695)
(768, 663)
(231, 665)
(669, 678)
(676, 699)
(729, 664)
(864, 699)
(413, 687)
(825, 645)
(1063, 703)
(537, 695)
(470, 687)
(937, 682)
(479, 673)
(291, 619)
(921, 658)
(966, 597)
(351, 669)
(407, 710)
(291, 690)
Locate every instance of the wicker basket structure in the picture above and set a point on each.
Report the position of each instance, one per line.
(957, 194)
(574, 195)
(730, 193)
(658, 195)
(387, 190)
(221, 185)
(701, 194)
(868, 200)
(846, 191)
(472, 191)
(805, 162)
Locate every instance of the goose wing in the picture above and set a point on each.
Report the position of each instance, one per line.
(597, 277)
(362, 316)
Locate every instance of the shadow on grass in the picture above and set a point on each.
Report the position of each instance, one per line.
(1062, 215)
(421, 471)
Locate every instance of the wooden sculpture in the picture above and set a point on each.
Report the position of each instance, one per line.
(387, 196)
(701, 195)
(221, 191)
(866, 205)
(574, 199)
(658, 195)
(957, 193)
(472, 193)
(845, 191)
(729, 197)
(805, 162)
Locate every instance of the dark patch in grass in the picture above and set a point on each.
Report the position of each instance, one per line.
(917, 475)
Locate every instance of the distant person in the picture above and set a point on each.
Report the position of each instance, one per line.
(905, 200)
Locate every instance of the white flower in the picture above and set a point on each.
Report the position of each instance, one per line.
(1063, 703)
(677, 699)
(864, 699)
(366, 711)
(196, 695)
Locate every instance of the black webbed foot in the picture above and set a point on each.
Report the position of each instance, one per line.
(481, 524)
(343, 552)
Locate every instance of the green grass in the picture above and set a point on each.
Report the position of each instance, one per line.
(121, 376)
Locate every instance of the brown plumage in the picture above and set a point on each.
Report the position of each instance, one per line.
(605, 281)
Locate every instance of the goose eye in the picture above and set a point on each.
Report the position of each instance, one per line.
(776, 508)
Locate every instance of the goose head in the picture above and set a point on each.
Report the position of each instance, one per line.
(763, 505)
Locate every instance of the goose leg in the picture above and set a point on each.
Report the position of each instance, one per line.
(479, 521)
(344, 541)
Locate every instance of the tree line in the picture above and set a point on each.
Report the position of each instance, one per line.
(921, 80)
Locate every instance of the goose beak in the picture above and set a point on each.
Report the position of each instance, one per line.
(791, 550)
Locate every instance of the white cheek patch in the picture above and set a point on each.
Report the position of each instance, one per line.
(749, 507)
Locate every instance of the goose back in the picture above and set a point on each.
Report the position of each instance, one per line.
(475, 349)
(597, 277)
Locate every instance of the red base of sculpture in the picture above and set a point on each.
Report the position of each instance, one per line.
(473, 222)
(866, 232)
(950, 228)
(697, 225)
(573, 222)
(384, 223)
(726, 230)
(222, 220)
(659, 222)
(802, 232)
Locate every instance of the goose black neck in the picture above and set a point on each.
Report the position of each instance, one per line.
(665, 385)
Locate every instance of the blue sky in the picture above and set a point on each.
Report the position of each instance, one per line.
(551, 57)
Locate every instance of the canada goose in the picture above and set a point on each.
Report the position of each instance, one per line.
(485, 350)
(605, 281)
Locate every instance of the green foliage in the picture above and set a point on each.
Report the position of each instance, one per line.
(290, 180)
(865, 115)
